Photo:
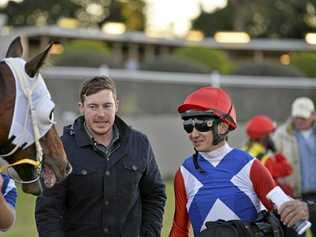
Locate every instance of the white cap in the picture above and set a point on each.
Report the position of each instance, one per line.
(303, 107)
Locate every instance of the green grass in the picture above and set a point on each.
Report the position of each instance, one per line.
(169, 209)
(25, 223)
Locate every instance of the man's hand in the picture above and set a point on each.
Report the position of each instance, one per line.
(293, 211)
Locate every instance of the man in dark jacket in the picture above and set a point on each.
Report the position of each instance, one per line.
(115, 188)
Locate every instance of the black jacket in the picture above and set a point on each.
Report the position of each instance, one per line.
(116, 193)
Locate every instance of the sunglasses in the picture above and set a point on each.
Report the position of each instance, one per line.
(200, 125)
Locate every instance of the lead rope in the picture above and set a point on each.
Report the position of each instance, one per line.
(28, 93)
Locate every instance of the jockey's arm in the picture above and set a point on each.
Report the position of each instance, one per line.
(7, 214)
(262, 182)
(180, 226)
(8, 197)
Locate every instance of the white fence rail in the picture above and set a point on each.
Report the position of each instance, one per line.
(80, 73)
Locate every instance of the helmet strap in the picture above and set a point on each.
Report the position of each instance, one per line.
(217, 138)
(223, 117)
(195, 161)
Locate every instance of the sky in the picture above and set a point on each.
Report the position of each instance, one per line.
(3, 2)
(175, 15)
(171, 17)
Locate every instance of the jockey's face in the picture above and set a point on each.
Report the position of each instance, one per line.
(203, 141)
(99, 111)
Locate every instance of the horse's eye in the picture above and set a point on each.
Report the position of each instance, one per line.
(45, 112)
(51, 117)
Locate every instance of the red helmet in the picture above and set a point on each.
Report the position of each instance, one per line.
(213, 101)
(259, 126)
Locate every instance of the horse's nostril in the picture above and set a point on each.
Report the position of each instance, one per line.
(68, 169)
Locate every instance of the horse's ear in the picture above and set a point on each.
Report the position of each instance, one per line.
(32, 66)
(15, 49)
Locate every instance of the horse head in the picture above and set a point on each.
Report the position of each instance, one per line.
(29, 142)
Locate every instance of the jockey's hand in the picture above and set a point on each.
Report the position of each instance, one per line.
(293, 211)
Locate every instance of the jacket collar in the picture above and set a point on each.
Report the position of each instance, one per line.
(289, 126)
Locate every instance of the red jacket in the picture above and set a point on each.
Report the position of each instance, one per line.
(276, 163)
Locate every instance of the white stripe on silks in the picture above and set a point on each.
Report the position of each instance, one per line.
(217, 210)
(191, 184)
(10, 186)
(243, 182)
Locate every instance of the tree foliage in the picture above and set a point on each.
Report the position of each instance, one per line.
(87, 12)
(305, 62)
(86, 53)
(268, 69)
(209, 23)
(261, 18)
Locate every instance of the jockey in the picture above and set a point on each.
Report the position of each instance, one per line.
(217, 181)
(260, 145)
(8, 197)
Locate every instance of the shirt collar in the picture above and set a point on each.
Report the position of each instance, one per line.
(217, 155)
(115, 135)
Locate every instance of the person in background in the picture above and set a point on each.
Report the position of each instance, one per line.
(8, 197)
(116, 188)
(217, 181)
(296, 139)
(260, 145)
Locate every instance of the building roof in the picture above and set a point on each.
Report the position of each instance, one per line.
(141, 38)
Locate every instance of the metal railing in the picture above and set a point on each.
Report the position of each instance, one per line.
(215, 79)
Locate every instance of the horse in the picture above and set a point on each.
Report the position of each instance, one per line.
(29, 142)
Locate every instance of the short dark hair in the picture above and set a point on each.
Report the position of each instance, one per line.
(95, 85)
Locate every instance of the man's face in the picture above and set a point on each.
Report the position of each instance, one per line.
(99, 111)
(302, 123)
